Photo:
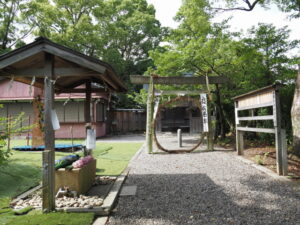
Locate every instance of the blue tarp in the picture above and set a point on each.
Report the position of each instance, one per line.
(42, 147)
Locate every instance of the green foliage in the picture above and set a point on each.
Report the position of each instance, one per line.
(10, 127)
(259, 160)
(289, 6)
(139, 98)
(13, 26)
(253, 60)
(120, 32)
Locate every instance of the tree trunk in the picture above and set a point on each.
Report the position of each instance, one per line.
(295, 115)
(222, 122)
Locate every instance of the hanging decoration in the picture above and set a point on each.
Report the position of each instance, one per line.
(31, 85)
(11, 83)
(68, 99)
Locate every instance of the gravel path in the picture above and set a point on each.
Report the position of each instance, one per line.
(204, 188)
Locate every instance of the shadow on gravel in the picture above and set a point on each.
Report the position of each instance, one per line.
(195, 199)
(260, 184)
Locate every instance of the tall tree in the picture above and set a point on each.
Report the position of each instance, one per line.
(13, 26)
(295, 115)
(289, 6)
(120, 32)
(130, 30)
(273, 47)
(66, 22)
(205, 48)
(198, 46)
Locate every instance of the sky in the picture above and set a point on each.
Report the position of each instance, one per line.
(166, 10)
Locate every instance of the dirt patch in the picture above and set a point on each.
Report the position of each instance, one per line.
(266, 156)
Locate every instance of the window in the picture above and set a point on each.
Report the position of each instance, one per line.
(101, 112)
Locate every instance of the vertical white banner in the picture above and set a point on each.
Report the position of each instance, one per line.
(203, 100)
(156, 107)
(91, 139)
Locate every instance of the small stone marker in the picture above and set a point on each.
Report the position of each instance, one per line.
(179, 136)
(128, 191)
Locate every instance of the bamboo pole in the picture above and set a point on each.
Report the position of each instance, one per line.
(211, 123)
(149, 129)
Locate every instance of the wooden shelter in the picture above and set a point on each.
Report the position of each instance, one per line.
(56, 68)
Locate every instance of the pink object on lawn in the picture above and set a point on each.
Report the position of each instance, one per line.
(82, 162)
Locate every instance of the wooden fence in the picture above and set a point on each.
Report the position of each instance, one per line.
(127, 121)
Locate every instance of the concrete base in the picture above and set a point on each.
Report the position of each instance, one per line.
(101, 220)
(109, 201)
(79, 180)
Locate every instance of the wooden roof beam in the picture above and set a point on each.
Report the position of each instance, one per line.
(82, 90)
(62, 72)
(179, 92)
(109, 81)
(29, 81)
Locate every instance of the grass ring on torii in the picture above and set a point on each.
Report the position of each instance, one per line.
(197, 103)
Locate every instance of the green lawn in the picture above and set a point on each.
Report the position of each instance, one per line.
(24, 171)
(54, 219)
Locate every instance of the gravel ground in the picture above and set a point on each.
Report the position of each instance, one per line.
(170, 141)
(204, 188)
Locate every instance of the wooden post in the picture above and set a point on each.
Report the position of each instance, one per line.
(240, 142)
(48, 154)
(149, 135)
(284, 153)
(8, 132)
(278, 135)
(87, 103)
(72, 138)
(179, 137)
(239, 134)
(28, 133)
(87, 110)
